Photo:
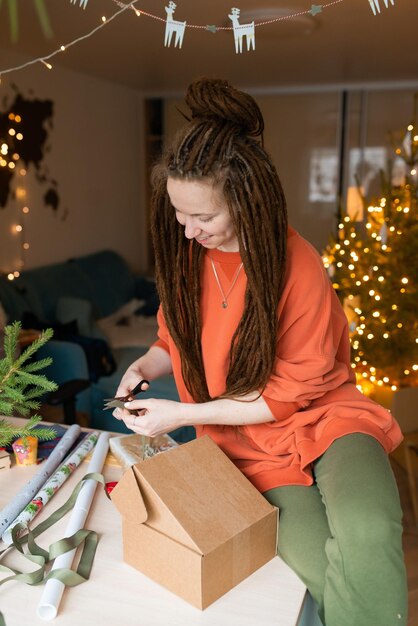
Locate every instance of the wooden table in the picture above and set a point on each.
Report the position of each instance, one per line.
(118, 594)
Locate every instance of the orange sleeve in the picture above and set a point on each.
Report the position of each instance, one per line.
(313, 354)
(281, 410)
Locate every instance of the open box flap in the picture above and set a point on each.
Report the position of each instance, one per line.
(195, 491)
(128, 499)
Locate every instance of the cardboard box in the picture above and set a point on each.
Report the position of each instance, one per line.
(193, 523)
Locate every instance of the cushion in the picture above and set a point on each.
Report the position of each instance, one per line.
(56, 281)
(124, 329)
(79, 309)
(18, 296)
(113, 280)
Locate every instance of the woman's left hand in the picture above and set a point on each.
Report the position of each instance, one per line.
(154, 417)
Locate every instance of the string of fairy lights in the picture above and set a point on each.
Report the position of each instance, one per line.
(10, 160)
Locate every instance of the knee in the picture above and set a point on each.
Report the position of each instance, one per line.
(311, 569)
(370, 527)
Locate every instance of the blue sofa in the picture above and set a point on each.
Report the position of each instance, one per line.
(84, 290)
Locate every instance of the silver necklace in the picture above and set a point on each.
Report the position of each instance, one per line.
(234, 280)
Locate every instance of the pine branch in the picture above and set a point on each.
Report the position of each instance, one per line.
(9, 432)
(45, 336)
(20, 385)
(35, 379)
(38, 365)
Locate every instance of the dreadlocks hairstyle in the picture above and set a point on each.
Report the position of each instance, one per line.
(220, 144)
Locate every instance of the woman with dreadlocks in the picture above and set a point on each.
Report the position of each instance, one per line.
(257, 342)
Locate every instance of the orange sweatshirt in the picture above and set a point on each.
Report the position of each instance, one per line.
(311, 392)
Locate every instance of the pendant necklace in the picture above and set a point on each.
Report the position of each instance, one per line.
(234, 280)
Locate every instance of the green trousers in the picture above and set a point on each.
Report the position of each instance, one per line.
(343, 535)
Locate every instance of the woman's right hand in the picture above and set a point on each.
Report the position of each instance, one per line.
(130, 379)
(153, 364)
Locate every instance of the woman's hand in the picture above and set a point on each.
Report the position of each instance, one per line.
(155, 363)
(133, 375)
(155, 416)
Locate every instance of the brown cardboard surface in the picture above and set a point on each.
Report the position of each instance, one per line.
(165, 561)
(160, 517)
(199, 482)
(230, 563)
(193, 523)
(128, 499)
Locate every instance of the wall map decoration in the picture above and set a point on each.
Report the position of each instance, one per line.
(25, 126)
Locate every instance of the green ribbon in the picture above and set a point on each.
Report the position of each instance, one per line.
(36, 554)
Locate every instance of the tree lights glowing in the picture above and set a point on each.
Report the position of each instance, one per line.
(373, 268)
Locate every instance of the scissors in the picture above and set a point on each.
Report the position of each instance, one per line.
(119, 401)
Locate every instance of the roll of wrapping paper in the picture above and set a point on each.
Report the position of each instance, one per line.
(25, 495)
(49, 489)
(51, 597)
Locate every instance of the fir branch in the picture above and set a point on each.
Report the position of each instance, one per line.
(38, 365)
(35, 379)
(20, 385)
(45, 336)
(8, 432)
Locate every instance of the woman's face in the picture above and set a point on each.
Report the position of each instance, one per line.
(201, 208)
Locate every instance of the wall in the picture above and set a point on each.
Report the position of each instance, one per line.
(96, 158)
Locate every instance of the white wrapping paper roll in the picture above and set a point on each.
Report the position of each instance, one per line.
(51, 597)
(25, 495)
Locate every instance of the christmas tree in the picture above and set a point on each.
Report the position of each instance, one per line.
(374, 268)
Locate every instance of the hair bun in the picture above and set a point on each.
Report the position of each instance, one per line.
(215, 99)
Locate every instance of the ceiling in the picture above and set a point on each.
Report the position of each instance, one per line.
(343, 44)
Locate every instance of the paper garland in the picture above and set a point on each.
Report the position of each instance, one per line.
(172, 26)
(83, 3)
(241, 31)
(175, 27)
(374, 5)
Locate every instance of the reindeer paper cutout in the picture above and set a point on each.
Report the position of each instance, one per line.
(241, 31)
(83, 3)
(172, 26)
(374, 4)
